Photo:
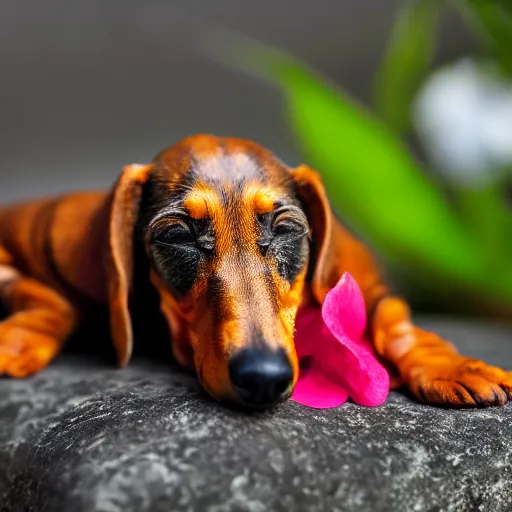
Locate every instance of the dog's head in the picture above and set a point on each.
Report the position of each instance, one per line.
(236, 241)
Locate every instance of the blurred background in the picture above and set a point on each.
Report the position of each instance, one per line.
(89, 86)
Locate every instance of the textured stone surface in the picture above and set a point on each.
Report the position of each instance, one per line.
(83, 436)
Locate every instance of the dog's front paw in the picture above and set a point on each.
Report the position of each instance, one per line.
(460, 382)
(24, 352)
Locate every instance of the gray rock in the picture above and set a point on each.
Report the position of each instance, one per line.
(83, 436)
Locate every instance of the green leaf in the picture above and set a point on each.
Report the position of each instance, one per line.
(374, 183)
(487, 214)
(493, 20)
(406, 61)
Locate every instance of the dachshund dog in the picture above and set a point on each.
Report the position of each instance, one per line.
(235, 243)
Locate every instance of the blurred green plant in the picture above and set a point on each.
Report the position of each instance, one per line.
(493, 21)
(374, 182)
(406, 61)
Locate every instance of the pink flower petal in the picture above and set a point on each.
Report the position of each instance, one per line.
(344, 310)
(354, 366)
(340, 361)
(314, 388)
(318, 392)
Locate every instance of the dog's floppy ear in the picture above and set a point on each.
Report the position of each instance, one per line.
(334, 249)
(123, 211)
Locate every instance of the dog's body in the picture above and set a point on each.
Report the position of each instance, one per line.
(225, 228)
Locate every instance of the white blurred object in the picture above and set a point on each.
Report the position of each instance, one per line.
(463, 115)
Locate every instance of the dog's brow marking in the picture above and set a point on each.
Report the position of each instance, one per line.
(199, 202)
(262, 199)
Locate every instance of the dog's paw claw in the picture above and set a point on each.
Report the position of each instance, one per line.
(463, 383)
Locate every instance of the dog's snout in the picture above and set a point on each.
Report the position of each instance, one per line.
(261, 377)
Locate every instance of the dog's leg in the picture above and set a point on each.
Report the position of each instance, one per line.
(431, 367)
(39, 322)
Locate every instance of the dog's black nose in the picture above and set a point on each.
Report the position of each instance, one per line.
(260, 377)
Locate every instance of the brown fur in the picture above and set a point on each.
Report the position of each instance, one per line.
(59, 257)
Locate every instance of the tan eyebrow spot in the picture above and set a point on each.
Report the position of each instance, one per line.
(262, 199)
(201, 201)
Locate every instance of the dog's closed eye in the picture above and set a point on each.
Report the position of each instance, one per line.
(290, 221)
(175, 232)
(282, 238)
(176, 253)
(188, 234)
